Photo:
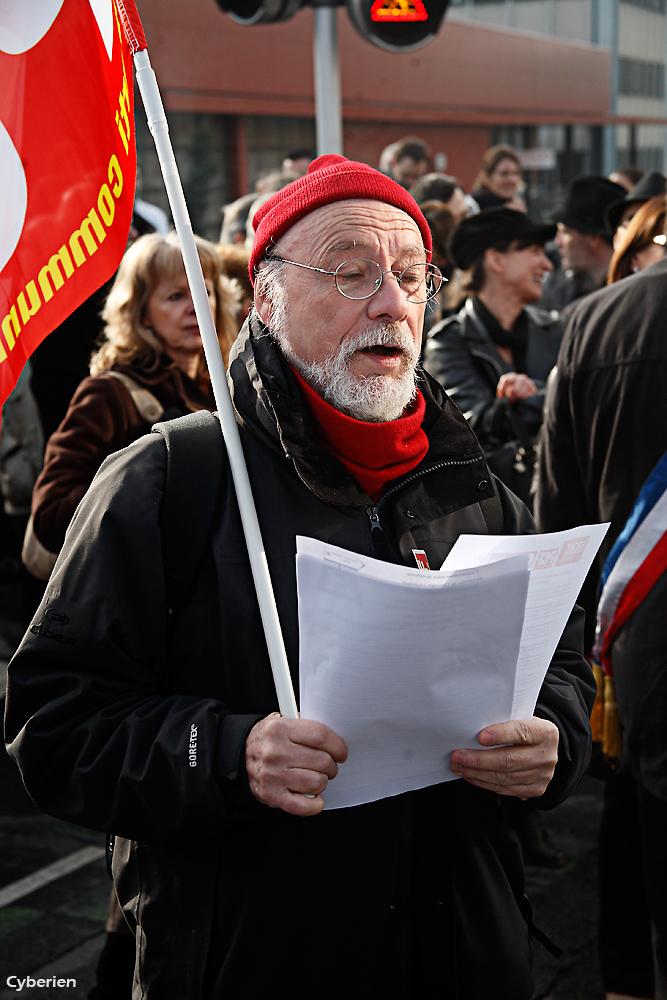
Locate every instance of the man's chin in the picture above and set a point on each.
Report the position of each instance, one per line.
(373, 398)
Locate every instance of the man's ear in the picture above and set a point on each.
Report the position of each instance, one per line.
(262, 307)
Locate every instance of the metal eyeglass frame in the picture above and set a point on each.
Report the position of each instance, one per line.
(437, 273)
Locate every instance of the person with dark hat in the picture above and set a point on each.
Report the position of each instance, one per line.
(620, 213)
(583, 240)
(149, 710)
(493, 357)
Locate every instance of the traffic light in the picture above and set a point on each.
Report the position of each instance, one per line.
(393, 25)
(260, 11)
(397, 25)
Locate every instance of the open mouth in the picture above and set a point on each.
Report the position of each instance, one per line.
(384, 350)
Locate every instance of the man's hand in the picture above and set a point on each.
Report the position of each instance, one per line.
(523, 763)
(514, 386)
(288, 759)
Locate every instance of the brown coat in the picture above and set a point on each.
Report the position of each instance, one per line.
(102, 418)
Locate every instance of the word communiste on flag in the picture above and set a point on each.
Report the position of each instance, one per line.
(67, 159)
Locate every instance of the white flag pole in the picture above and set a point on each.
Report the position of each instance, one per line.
(157, 122)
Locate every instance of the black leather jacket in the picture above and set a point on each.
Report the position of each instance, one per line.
(462, 357)
(418, 893)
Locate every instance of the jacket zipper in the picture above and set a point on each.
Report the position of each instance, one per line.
(373, 510)
(418, 475)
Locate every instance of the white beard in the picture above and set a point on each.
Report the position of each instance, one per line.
(371, 398)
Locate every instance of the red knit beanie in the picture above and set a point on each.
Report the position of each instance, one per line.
(330, 178)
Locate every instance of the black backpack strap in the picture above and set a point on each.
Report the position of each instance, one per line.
(196, 461)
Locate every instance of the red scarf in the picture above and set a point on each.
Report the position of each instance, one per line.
(374, 453)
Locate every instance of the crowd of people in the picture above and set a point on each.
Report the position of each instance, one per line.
(527, 351)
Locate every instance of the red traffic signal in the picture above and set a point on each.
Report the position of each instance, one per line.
(397, 25)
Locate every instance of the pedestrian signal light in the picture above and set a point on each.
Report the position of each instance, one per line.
(397, 25)
(393, 25)
(386, 11)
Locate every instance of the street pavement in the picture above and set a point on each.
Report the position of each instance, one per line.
(565, 901)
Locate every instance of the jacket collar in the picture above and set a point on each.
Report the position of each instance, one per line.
(269, 404)
(474, 329)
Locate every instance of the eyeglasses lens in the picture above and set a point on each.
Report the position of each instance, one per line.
(420, 282)
(359, 279)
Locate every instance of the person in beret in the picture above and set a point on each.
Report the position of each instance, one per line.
(158, 721)
(493, 357)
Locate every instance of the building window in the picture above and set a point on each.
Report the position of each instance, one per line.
(638, 78)
(202, 149)
(268, 139)
(656, 5)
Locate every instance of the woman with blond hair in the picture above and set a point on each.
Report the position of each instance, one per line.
(150, 366)
(638, 247)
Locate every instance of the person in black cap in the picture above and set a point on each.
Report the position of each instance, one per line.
(494, 356)
(583, 240)
(493, 359)
(619, 214)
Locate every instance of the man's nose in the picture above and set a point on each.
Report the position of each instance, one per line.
(390, 301)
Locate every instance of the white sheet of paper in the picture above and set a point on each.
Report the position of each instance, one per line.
(405, 664)
(558, 564)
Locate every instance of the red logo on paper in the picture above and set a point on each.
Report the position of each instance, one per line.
(421, 559)
(390, 11)
(572, 551)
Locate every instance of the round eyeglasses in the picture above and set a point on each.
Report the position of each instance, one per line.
(359, 279)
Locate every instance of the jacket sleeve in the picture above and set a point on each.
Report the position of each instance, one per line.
(560, 498)
(566, 699)
(97, 741)
(101, 419)
(568, 692)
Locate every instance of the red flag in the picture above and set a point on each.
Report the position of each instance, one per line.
(67, 159)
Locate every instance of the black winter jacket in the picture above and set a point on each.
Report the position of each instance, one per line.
(605, 428)
(416, 894)
(461, 355)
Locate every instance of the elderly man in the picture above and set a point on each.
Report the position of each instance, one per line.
(162, 728)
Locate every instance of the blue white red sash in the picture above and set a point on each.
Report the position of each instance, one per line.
(637, 560)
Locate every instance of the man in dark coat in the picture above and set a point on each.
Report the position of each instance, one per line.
(164, 730)
(605, 428)
(583, 241)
